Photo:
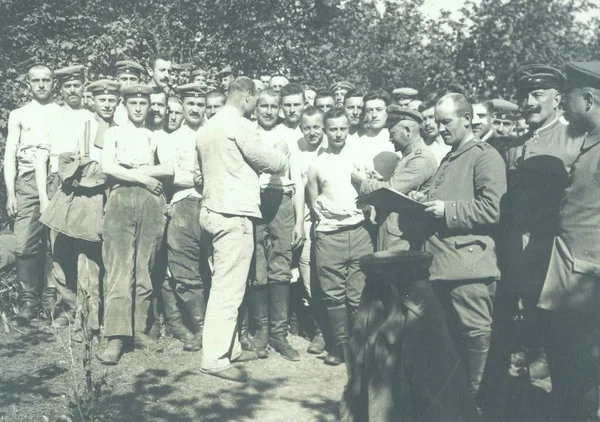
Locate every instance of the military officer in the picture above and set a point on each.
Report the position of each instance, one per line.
(571, 283)
(413, 172)
(339, 91)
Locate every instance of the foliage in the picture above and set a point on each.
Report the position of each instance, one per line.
(373, 43)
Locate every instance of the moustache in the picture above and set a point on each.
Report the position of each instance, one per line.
(532, 110)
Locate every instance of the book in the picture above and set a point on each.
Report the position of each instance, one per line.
(388, 199)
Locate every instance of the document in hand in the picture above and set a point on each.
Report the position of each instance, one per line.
(391, 200)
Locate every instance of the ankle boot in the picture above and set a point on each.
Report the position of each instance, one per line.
(258, 298)
(246, 342)
(195, 306)
(279, 306)
(113, 351)
(476, 351)
(338, 320)
(173, 319)
(29, 281)
(317, 345)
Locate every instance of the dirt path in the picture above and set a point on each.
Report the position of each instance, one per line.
(35, 377)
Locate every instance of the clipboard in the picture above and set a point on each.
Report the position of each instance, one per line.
(391, 200)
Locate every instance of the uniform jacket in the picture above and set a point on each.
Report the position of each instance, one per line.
(471, 181)
(230, 168)
(538, 164)
(414, 171)
(573, 277)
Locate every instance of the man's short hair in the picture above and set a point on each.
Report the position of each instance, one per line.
(334, 113)
(312, 111)
(378, 95)
(269, 92)
(323, 93)
(292, 89)
(354, 93)
(157, 56)
(242, 84)
(461, 104)
(216, 93)
(429, 102)
(489, 106)
(39, 66)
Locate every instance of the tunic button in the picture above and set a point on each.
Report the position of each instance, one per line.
(453, 204)
(470, 249)
(454, 218)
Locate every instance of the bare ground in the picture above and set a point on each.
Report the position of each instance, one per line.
(36, 380)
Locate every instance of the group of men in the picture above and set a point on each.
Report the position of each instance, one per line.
(199, 203)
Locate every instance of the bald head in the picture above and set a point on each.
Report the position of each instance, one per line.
(453, 115)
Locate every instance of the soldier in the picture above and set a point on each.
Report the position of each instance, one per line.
(464, 201)
(76, 210)
(174, 114)
(353, 106)
(521, 127)
(230, 155)
(310, 92)
(435, 143)
(199, 76)
(160, 68)
(376, 138)
(308, 148)
(340, 234)
(277, 82)
(504, 115)
(225, 77)
(482, 121)
(570, 289)
(128, 73)
(281, 228)
(538, 174)
(186, 256)
(324, 100)
(133, 226)
(259, 85)
(413, 172)
(28, 129)
(88, 100)
(158, 111)
(404, 96)
(215, 100)
(339, 91)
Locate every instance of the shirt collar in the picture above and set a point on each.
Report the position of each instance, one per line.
(470, 143)
(416, 144)
(591, 139)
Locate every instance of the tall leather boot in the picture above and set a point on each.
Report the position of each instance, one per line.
(195, 306)
(258, 301)
(476, 351)
(246, 342)
(154, 330)
(173, 319)
(338, 320)
(317, 345)
(279, 306)
(28, 274)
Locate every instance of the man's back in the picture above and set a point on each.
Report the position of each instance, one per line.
(231, 155)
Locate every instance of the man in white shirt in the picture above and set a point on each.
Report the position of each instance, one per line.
(431, 135)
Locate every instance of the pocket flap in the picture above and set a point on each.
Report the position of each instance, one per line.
(586, 267)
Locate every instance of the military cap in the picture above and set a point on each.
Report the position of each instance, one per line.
(583, 74)
(539, 76)
(104, 86)
(198, 72)
(226, 70)
(129, 66)
(406, 92)
(396, 114)
(70, 73)
(192, 90)
(412, 265)
(504, 110)
(137, 90)
(341, 85)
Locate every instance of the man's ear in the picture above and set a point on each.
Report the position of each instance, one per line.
(557, 100)
(588, 99)
(468, 119)
(150, 72)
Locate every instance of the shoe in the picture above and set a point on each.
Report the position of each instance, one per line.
(317, 345)
(112, 353)
(246, 356)
(279, 306)
(249, 346)
(28, 312)
(147, 343)
(284, 348)
(194, 344)
(336, 357)
(61, 321)
(230, 374)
